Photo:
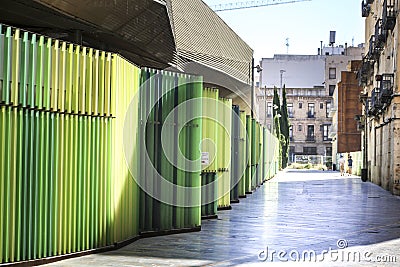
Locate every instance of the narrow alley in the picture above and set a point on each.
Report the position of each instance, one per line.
(296, 212)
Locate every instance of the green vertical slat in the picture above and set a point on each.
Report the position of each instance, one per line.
(41, 78)
(75, 182)
(66, 246)
(180, 211)
(24, 70)
(25, 184)
(7, 66)
(84, 182)
(79, 185)
(7, 178)
(32, 184)
(2, 54)
(60, 189)
(196, 153)
(93, 188)
(19, 184)
(48, 69)
(12, 195)
(108, 152)
(3, 156)
(33, 55)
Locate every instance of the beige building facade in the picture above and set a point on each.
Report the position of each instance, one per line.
(379, 76)
(308, 110)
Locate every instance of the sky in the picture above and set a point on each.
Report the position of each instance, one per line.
(306, 24)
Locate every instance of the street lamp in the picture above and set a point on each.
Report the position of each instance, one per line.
(280, 91)
(259, 69)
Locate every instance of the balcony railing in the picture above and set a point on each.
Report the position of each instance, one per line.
(310, 138)
(373, 51)
(310, 114)
(365, 8)
(389, 14)
(380, 35)
(376, 104)
(386, 88)
(365, 71)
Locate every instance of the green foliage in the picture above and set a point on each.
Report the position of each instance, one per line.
(284, 128)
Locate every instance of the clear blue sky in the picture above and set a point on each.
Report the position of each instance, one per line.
(306, 23)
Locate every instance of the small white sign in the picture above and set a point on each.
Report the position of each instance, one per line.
(205, 159)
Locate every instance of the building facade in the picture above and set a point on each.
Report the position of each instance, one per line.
(335, 65)
(379, 77)
(349, 109)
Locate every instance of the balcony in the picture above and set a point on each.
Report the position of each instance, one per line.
(365, 8)
(380, 35)
(388, 15)
(376, 104)
(386, 88)
(310, 138)
(310, 114)
(365, 71)
(373, 50)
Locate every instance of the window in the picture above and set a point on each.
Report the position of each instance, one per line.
(299, 128)
(310, 133)
(321, 105)
(291, 133)
(269, 109)
(328, 108)
(329, 151)
(332, 73)
(290, 110)
(325, 132)
(331, 89)
(291, 153)
(300, 105)
(311, 110)
(310, 150)
(269, 127)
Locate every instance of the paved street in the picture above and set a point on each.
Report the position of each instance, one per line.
(298, 212)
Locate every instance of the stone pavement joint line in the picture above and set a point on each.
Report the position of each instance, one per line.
(296, 212)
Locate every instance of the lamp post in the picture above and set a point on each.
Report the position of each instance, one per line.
(265, 106)
(259, 69)
(364, 170)
(280, 91)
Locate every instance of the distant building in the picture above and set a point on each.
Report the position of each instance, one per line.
(334, 66)
(312, 96)
(307, 98)
(348, 138)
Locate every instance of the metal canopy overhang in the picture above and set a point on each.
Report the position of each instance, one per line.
(140, 30)
(143, 31)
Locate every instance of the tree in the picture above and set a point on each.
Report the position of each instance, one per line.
(284, 128)
(276, 112)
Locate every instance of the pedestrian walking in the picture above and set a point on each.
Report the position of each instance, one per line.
(350, 165)
(341, 162)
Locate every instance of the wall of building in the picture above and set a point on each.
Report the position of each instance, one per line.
(339, 62)
(300, 120)
(382, 129)
(348, 135)
(301, 71)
